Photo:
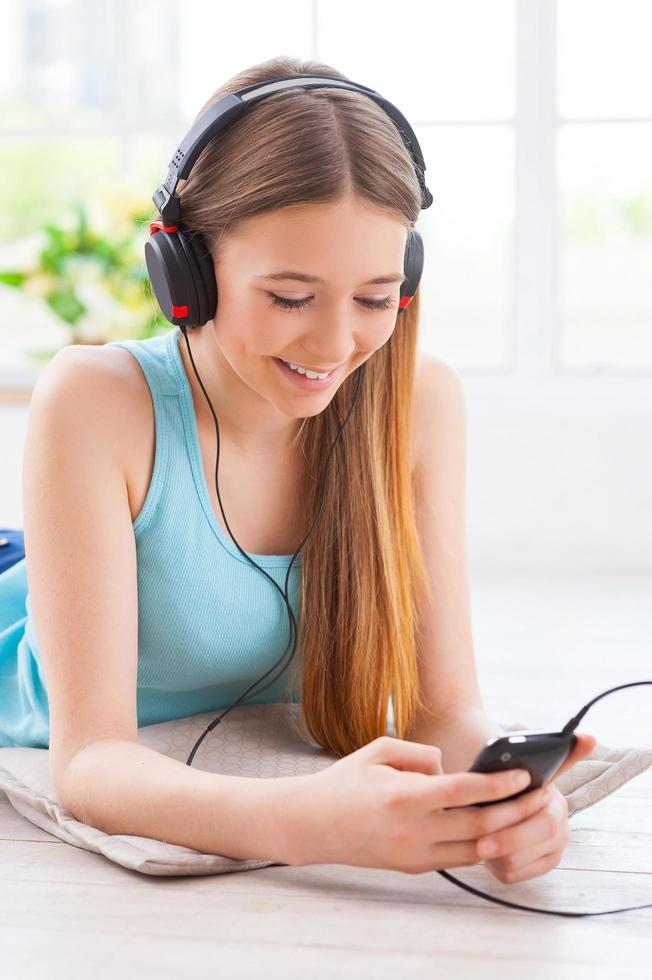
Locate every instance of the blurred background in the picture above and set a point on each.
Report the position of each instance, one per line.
(535, 118)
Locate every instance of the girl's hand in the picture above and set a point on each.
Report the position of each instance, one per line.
(390, 805)
(531, 848)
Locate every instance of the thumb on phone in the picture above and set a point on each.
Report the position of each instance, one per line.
(583, 748)
(409, 756)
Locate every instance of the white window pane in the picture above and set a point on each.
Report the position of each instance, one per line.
(84, 65)
(150, 71)
(63, 57)
(217, 40)
(605, 266)
(466, 291)
(433, 59)
(605, 68)
(11, 63)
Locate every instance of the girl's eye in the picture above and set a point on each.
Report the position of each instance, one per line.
(296, 304)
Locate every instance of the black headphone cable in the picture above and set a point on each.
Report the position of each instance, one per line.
(246, 695)
(569, 727)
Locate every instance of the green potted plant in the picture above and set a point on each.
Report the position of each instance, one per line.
(89, 270)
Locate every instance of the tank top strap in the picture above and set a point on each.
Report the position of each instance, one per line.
(156, 361)
(155, 358)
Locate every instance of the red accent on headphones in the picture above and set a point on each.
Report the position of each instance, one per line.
(155, 226)
(404, 302)
(180, 311)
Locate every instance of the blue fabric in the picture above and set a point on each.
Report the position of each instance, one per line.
(12, 547)
(209, 623)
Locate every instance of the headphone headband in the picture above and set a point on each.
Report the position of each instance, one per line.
(232, 106)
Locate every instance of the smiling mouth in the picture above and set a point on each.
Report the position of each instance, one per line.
(311, 373)
(309, 382)
(314, 370)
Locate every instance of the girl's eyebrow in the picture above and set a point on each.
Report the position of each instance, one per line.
(305, 277)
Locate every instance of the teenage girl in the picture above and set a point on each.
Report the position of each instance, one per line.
(144, 608)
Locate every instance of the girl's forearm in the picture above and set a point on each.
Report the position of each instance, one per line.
(460, 736)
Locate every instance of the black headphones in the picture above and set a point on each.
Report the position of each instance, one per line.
(180, 266)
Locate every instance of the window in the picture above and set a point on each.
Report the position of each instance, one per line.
(535, 119)
(605, 183)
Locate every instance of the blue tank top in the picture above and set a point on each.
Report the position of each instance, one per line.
(209, 623)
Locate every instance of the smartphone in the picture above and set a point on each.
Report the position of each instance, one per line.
(540, 752)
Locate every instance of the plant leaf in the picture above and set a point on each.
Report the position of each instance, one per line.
(13, 278)
(66, 305)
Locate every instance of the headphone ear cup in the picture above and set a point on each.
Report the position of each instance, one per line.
(172, 281)
(200, 264)
(412, 267)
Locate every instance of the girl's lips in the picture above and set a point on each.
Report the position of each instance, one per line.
(308, 384)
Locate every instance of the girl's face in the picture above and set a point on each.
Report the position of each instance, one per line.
(264, 315)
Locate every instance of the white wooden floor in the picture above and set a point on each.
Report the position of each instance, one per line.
(545, 644)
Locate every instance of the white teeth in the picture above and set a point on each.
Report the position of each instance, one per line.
(308, 374)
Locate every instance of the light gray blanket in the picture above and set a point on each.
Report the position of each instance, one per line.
(252, 740)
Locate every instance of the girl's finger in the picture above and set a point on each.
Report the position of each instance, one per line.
(449, 854)
(542, 827)
(544, 864)
(467, 823)
(457, 789)
(522, 859)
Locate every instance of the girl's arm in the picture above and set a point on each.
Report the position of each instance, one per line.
(449, 683)
(81, 569)
(460, 737)
(123, 787)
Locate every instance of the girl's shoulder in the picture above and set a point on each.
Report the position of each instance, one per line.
(107, 385)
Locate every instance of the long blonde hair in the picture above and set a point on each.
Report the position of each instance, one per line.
(363, 575)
